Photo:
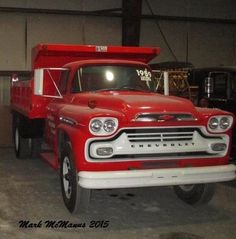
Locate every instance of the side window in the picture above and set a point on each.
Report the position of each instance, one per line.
(233, 85)
(220, 84)
(75, 87)
(63, 82)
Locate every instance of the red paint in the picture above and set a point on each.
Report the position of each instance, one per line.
(82, 107)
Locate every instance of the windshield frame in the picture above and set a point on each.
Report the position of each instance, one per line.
(136, 67)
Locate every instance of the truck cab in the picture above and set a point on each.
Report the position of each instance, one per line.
(94, 115)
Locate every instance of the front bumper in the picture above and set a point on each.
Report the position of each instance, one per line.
(156, 177)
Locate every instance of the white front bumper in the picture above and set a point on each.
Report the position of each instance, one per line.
(156, 177)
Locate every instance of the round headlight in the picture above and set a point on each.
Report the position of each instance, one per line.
(109, 125)
(213, 123)
(96, 125)
(224, 123)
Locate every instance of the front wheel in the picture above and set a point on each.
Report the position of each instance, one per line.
(75, 197)
(195, 194)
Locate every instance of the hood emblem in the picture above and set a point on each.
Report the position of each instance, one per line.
(92, 104)
(166, 117)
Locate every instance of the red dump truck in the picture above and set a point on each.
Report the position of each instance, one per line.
(93, 114)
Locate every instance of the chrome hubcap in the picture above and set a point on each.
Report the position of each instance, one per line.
(187, 188)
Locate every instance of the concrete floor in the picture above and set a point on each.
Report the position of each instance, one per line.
(30, 190)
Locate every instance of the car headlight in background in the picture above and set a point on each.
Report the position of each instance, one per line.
(103, 126)
(220, 123)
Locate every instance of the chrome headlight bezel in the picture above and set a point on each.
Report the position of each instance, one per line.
(213, 123)
(108, 126)
(220, 123)
(96, 125)
(224, 123)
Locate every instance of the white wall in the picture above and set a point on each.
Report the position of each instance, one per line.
(12, 49)
(193, 8)
(88, 5)
(209, 43)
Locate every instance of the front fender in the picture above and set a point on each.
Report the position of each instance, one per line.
(77, 137)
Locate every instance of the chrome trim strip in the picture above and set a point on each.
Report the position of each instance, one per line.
(162, 117)
(68, 121)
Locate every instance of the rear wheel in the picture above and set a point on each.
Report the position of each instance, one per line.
(195, 194)
(22, 145)
(75, 197)
(27, 137)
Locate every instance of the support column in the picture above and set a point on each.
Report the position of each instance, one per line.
(132, 10)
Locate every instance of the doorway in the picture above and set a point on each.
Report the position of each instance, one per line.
(5, 112)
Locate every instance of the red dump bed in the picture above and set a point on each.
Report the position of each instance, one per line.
(49, 56)
(58, 55)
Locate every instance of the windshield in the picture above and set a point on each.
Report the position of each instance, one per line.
(110, 77)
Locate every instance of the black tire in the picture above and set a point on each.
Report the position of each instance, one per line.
(197, 194)
(22, 145)
(76, 198)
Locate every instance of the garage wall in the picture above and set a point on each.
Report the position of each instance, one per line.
(71, 30)
(224, 9)
(5, 116)
(12, 46)
(208, 43)
(20, 32)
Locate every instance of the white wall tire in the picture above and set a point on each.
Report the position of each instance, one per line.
(22, 145)
(67, 185)
(76, 198)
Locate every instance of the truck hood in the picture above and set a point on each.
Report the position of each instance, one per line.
(134, 103)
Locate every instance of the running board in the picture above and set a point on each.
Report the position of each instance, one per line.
(51, 159)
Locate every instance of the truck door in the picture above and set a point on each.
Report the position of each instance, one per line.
(53, 107)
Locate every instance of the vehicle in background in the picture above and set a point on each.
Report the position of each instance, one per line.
(217, 88)
(178, 73)
(92, 113)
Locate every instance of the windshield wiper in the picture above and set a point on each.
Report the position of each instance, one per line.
(106, 89)
(122, 88)
(132, 88)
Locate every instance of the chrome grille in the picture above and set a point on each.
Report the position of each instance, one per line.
(160, 135)
(147, 117)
